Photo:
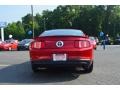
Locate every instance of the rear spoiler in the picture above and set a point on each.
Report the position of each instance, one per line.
(36, 38)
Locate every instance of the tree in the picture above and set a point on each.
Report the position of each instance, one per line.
(15, 29)
(27, 24)
(90, 18)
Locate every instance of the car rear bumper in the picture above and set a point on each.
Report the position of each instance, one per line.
(70, 63)
(72, 54)
(4, 49)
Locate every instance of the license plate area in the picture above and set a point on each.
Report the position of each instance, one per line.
(59, 57)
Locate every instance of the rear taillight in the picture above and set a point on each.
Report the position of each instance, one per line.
(37, 45)
(82, 44)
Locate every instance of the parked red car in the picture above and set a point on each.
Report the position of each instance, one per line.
(93, 42)
(68, 48)
(9, 45)
(0, 41)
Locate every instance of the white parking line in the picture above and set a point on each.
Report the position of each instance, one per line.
(4, 65)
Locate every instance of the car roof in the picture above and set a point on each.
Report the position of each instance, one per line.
(27, 39)
(92, 37)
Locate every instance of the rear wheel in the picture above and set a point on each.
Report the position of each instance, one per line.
(34, 69)
(89, 69)
(77, 70)
(18, 49)
(95, 48)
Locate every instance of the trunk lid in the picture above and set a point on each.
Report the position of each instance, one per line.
(51, 42)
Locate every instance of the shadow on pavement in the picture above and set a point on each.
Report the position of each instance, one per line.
(22, 74)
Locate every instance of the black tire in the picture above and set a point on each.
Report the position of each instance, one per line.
(18, 49)
(34, 69)
(89, 69)
(95, 48)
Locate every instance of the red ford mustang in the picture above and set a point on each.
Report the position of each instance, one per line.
(68, 48)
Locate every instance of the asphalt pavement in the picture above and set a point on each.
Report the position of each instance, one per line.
(15, 69)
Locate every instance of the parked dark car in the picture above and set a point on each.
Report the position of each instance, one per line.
(117, 41)
(24, 44)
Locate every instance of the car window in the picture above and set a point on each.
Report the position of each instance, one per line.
(26, 41)
(92, 38)
(63, 32)
(8, 41)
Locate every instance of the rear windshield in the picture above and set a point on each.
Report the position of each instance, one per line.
(63, 32)
(92, 38)
(26, 41)
(9, 41)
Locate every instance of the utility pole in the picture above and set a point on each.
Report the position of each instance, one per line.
(32, 20)
(114, 30)
(2, 26)
(2, 34)
(44, 24)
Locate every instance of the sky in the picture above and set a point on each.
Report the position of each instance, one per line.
(13, 13)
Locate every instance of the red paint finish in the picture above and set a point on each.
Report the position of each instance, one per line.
(9, 45)
(71, 48)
